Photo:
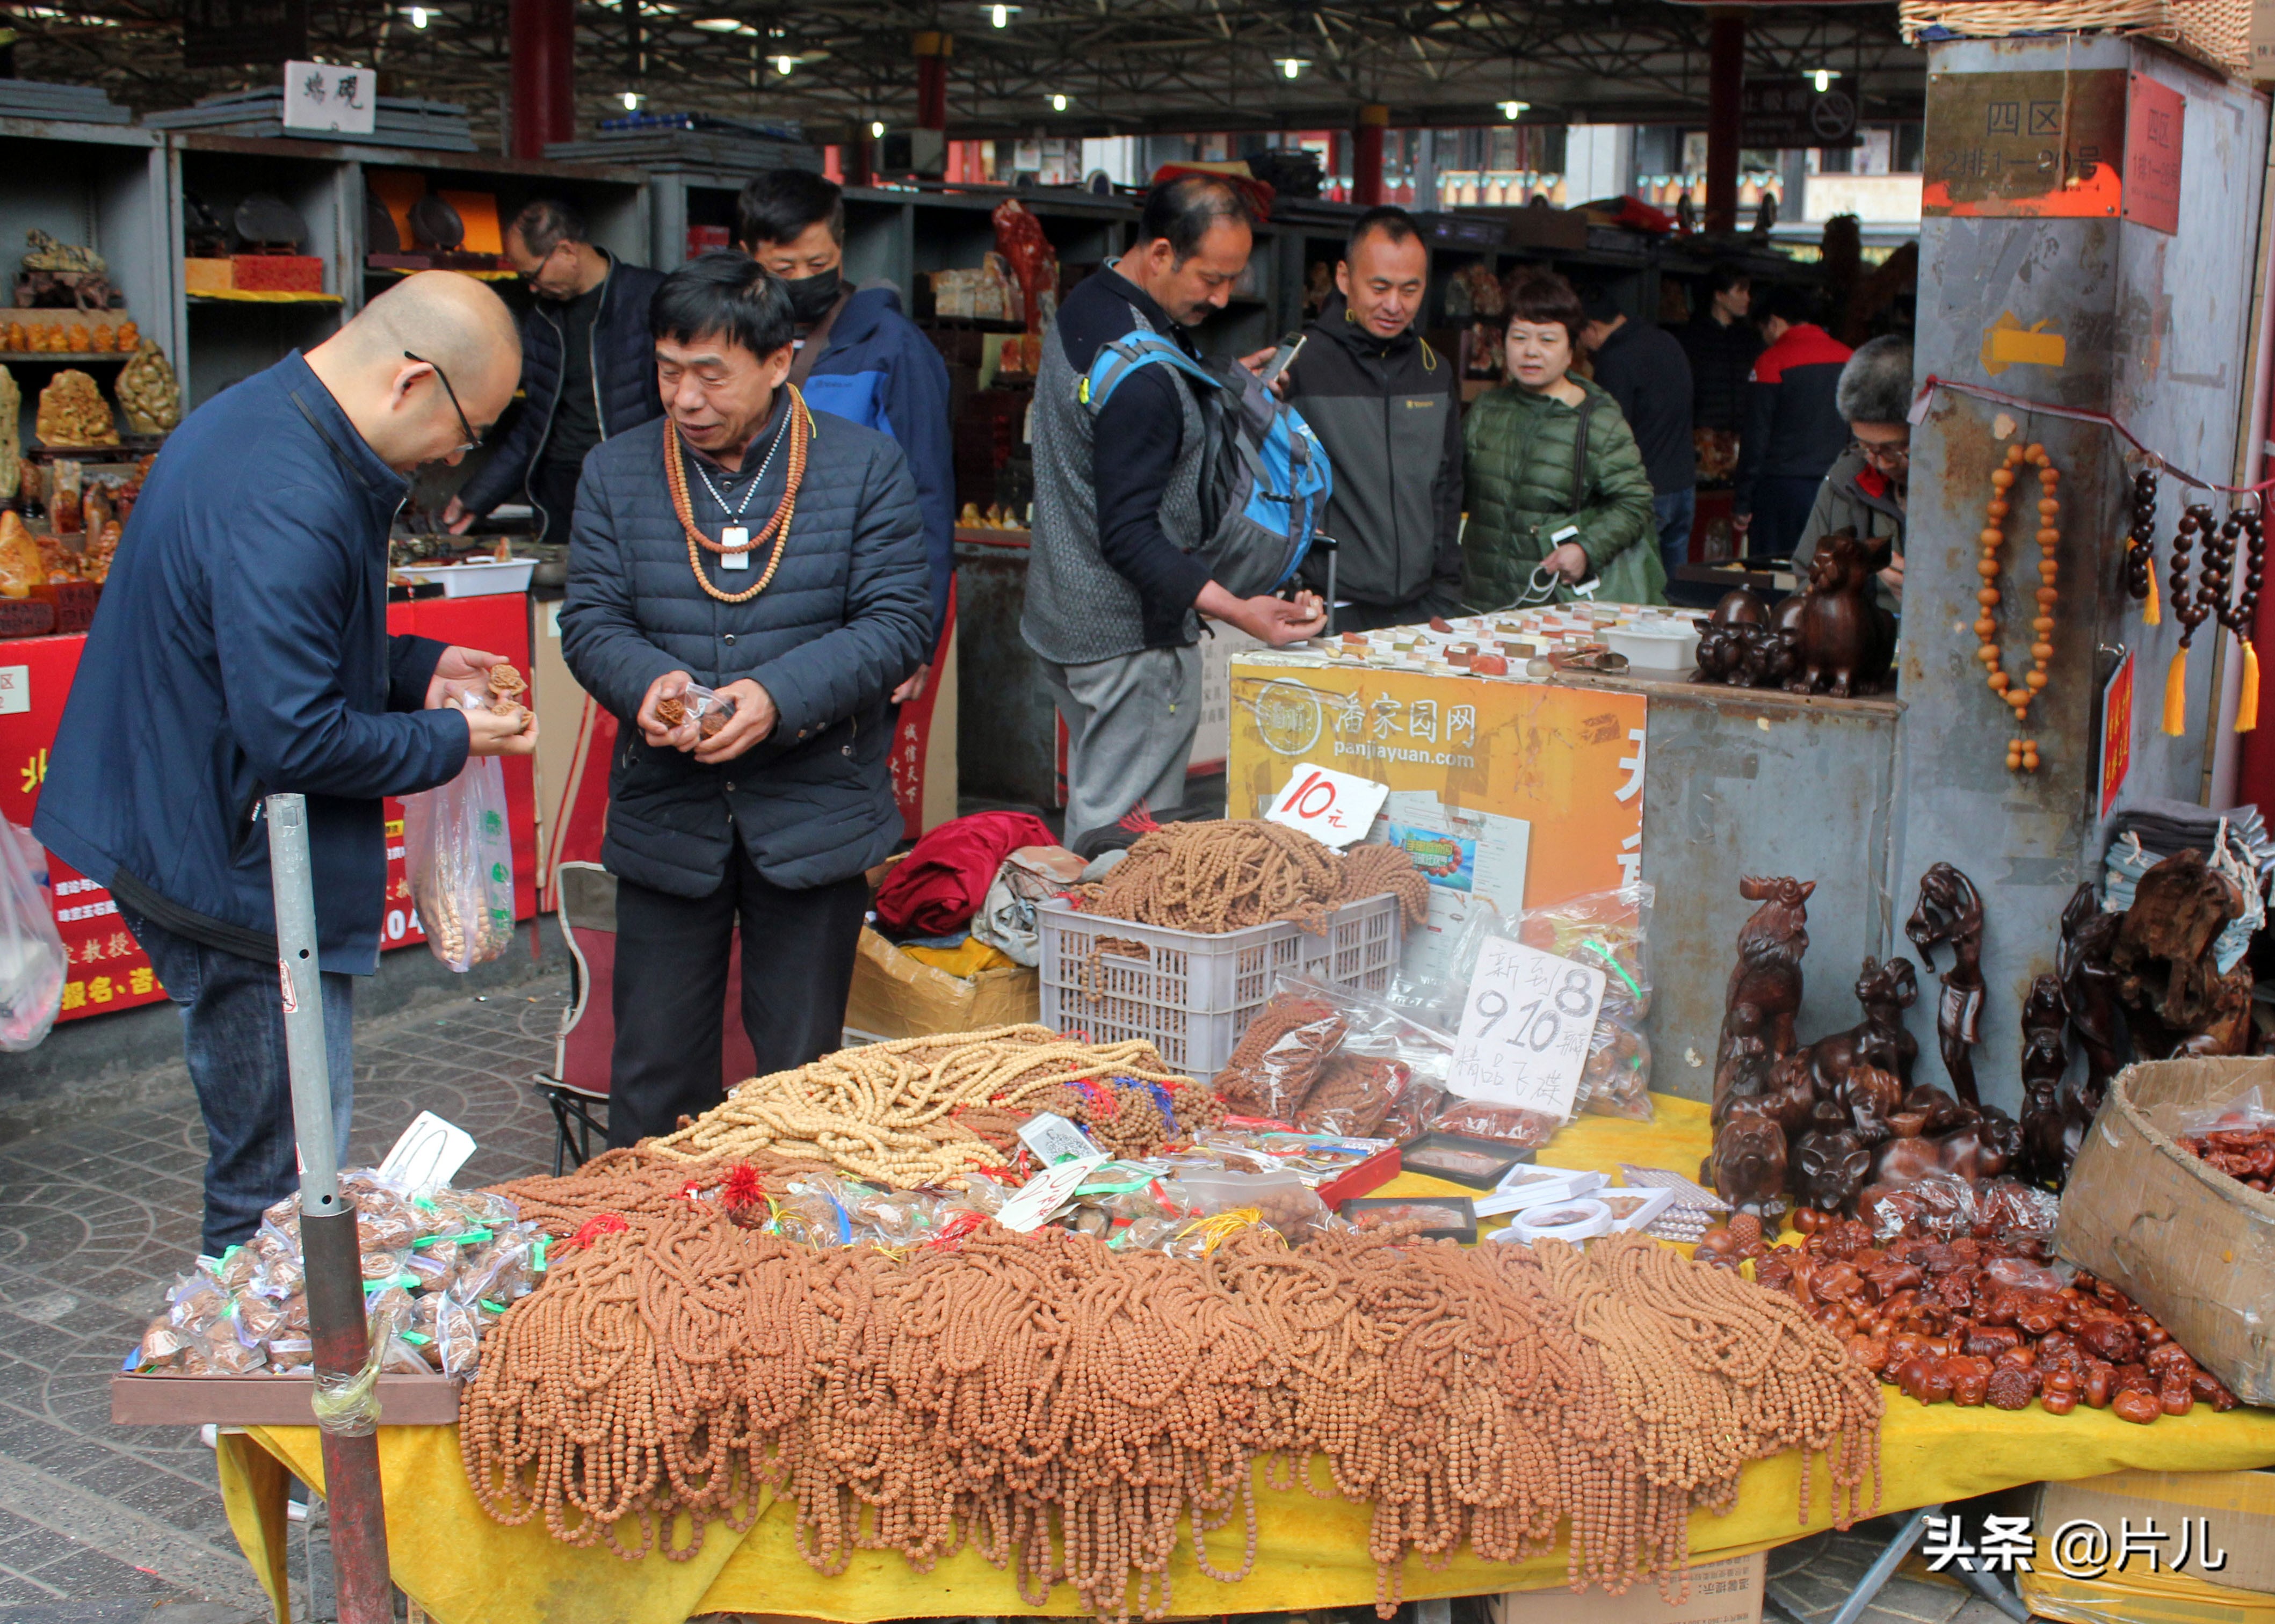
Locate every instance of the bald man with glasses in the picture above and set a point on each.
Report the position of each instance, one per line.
(241, 650)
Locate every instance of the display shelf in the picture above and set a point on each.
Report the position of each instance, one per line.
(256, 296)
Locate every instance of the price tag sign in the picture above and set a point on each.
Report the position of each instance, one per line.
(429, 1152)
(1047, 1191)
(1054, 1139)
(1333, 808)
(1525, 1028)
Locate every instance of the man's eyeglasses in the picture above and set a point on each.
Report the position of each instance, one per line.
(1881, 456)
(473, 440)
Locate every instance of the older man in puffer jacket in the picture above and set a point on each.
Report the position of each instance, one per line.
(775, 556)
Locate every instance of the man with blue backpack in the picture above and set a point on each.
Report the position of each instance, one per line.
(1166, 488)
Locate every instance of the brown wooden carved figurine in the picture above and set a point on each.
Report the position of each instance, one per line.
(1846, 639)
(1722, 640)
(2169, 976)
(1748, 1164)
(1951, 910)
(1829, 1167)
(2048, 1144)
(1764, 989)
(2089, 993)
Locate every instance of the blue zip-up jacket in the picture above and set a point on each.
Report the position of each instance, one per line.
(881, 371)
(623, 382)
(241, 649)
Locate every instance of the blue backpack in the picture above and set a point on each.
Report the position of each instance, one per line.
(1265, 477)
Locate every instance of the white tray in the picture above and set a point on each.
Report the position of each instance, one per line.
(485, 579)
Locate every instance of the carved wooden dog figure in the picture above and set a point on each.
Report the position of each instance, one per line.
(1748, 1164)
(1764, 989)
(1846, 639)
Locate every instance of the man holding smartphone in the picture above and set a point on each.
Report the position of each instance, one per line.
(1384, 403)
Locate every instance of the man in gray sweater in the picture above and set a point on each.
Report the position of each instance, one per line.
(1113, 594)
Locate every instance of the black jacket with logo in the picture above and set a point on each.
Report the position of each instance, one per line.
(1388, 411)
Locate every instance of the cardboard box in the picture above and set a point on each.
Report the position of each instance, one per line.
(1725, 1592)
(2193, 1247)
(2237, 1511)
(209, 276)
(896, 996)
(269, 1401)
(277, 273)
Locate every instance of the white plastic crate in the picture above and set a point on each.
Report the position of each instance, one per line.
(1191, 995)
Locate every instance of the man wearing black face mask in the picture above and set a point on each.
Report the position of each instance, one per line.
(859, 357)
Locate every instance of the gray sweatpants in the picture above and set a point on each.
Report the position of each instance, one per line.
(1130, 724)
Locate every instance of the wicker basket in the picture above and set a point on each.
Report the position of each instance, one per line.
(2217, 33)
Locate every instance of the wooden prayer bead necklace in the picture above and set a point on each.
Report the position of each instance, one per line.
(2141, 547)
(2241, 613)
(2022, 753)
(2189, 608)
(981, 1396)
(1227, 875)
(885, 1112)
(799, 426)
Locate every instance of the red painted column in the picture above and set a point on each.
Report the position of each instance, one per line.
(1366, 156)
(542, 42)
(933, 52)
(1726, 83)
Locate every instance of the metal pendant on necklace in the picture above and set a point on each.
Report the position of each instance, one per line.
(735, 536)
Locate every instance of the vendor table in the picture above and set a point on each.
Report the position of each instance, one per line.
(463, 1568)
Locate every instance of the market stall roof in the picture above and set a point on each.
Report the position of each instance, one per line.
(1121, 66)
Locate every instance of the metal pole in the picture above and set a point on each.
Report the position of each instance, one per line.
(330, 1254)
(1725, 82)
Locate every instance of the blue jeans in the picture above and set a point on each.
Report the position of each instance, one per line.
(1677, 511)
(233, 1038)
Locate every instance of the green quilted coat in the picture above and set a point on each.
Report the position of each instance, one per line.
(1521, 452)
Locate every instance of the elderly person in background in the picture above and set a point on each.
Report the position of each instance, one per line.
(1557, 491)
(1863, 490)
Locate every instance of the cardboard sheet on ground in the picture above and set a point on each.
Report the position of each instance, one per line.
(465, 1569)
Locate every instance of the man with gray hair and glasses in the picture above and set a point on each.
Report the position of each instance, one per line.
(1864, 490)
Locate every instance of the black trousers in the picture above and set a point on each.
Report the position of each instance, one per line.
(554, 485)
(671, 987)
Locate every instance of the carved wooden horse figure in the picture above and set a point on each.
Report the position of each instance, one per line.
(1765, 990)
(1951, 910)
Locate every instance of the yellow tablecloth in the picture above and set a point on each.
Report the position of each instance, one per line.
(465, 1569)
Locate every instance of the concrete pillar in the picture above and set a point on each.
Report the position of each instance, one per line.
(933, 51)
(1366, 156)
(1726, 83)
(2146, 325)
(542, 43)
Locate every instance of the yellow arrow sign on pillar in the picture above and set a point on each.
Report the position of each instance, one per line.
(2007, 343)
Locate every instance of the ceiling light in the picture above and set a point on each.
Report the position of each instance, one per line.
(782, 64)
(1823, 78)
(1000, 15)
(1514, 111)
(1058, 103)
(877, 128)
(631, 101)
(718, 25)
(1290, 66)
(419, 17)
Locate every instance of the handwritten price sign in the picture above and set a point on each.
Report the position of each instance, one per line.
(1333, 808)
(1525, 1028)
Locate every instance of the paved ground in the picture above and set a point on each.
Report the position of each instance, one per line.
(124, 1525)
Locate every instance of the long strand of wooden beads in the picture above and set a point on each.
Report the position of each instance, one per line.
(2141, 547)
(2189, 608)
(2022, 752)
(1227, 875)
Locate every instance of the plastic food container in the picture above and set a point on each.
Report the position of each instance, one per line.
(1655, 645)
(487, 578)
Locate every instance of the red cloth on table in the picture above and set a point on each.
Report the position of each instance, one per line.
(940, 885)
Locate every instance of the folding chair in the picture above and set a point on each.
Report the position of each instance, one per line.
(576, 1088)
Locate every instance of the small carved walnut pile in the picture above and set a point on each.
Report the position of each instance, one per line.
(506, 687)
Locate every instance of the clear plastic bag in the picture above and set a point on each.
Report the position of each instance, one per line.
(458, 856)
(1616, 1078)
(33, 962)
(1609, 930)
(706, 709)
(2247, 1113)
(1278, 1057)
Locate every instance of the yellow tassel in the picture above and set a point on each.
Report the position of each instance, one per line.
(2176, 694)
(2247, 701)
(2151, 612)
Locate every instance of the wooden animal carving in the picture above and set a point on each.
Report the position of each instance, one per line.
(1764, 989)
(2089, 993)
(1845, 639)
(1879, 1040)
(1829, 1167)
(1748, 1164)
(1722, 640)
(2169, 975)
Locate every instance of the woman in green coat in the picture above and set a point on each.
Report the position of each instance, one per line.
(1553, 475)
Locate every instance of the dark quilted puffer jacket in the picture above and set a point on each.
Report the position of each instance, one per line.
(845, 619)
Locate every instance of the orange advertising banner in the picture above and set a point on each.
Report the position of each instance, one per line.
(1518, 794)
